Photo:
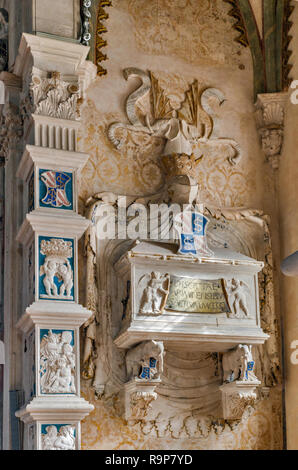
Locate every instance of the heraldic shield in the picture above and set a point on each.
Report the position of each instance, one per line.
(55, 182)
(191, 227)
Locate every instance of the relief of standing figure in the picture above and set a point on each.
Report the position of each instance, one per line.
(155, 294)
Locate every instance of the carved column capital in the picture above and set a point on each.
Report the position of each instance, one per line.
(11, 124)
(270, 113)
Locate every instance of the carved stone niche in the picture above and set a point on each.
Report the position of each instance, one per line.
(204, 304)
(187, 305)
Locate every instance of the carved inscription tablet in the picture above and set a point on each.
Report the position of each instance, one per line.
(197, 296)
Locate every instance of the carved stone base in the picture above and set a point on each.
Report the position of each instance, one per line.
(236, 396)
(139, 394)
(53, 423)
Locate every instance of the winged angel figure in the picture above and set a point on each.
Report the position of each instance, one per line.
(180, 128)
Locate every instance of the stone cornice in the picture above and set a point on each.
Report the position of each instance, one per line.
(48, 54)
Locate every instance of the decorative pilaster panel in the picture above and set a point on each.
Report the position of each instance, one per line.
(50, 232)
(270, 113)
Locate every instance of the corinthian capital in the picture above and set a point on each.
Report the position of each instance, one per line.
(270, 113)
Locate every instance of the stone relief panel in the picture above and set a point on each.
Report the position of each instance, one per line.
(155, 293)
(57, 362)
(136, 166)
(56, 266)
(58, 437)
(239, 294)
(199, 31)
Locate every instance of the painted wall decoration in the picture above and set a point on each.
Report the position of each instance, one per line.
(184, 29)
(56, 267)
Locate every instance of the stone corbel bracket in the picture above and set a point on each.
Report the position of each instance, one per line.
(270, 114)
(236, 396)
(139, 395)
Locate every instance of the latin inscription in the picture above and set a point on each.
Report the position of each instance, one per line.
(197, 296)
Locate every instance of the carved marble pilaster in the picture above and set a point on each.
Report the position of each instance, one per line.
(53, 78)
(270, 113)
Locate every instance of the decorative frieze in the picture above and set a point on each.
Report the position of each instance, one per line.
(270, 113)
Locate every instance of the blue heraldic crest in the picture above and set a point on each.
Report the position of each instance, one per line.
(191, 227)
(148, 370)
(250, 368)
(55, 182)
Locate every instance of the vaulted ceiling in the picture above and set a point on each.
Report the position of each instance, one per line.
(264, 26)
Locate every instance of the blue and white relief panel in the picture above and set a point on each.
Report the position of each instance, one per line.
(56, 268)
(56, 189)
(58, 437)
(57, 362)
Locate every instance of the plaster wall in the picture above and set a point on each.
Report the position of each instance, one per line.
(288, 193)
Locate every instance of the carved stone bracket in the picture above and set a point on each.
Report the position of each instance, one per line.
(139, 396)
(237, 396)
(270, 113)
